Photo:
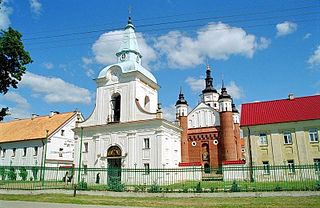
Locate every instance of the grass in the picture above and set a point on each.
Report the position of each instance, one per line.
(295, 202)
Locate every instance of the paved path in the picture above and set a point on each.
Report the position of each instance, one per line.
(23, 204)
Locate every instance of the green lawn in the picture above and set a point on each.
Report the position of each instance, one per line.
(295, 202)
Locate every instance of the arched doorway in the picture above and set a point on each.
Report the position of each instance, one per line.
(114, 164)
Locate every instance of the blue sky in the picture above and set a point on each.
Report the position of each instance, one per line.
(262, 49)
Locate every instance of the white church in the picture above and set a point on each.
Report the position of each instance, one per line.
(126, 129)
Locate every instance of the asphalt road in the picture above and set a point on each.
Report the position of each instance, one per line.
(24, 204)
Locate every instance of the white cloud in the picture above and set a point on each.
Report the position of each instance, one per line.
(20, 107)
(4, 15)
(107, 45)
(47, 65)
(35, 6)
(195, 84)
(306, 36)
(56, 90)
(216, 41)
(286, 28)
(234, 90)
(89, 71)
(169, 113)
(86, 60)
(314, 59)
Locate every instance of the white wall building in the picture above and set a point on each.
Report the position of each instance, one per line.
(39, 141)
(126, 129)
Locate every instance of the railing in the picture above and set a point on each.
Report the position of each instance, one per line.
(186, 179)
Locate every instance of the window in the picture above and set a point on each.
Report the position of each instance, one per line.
(316, 164)
(60, 152)
(313, 135)
(146, 168)
(14, 152)
(115, 106)
(291, 166)
(35, 151)
(287, 138)
(24, 152)
(62, 132)
(3, 152)
(266, 167)
(86, 147)
(147, 103)
(146, 143)
(263, 139)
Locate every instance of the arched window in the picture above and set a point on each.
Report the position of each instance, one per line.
(147, 103)
(115, 107)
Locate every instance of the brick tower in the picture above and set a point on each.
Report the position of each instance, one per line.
(228, 140)
(181, 115)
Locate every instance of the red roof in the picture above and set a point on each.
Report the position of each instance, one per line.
(280, 111)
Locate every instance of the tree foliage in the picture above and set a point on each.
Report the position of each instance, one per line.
(13, 61)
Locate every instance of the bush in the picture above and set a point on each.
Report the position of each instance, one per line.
(278, 188)
(23, 173)
(198, 188)
(83, 185)
(12, 175)
(35, 171)
(114, 184)
(235, 187)
(154, 188)
(3, 173)
(317, 186)
(185, 189)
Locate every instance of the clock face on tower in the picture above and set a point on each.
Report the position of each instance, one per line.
(123, 57)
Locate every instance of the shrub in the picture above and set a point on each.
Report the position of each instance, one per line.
(35, 171)
(12, 175)
(198, 188)
(23, 173)
(185, 189)
(154, 188)
(278, 188)
(83, 185)
(235, 187)
(3, 173)
(317, 186)
(114, 184)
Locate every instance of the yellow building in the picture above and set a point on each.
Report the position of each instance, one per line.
(282, 132)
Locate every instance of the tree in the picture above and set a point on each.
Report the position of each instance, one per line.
(13, 59)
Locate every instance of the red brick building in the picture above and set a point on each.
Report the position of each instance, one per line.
(211, 132)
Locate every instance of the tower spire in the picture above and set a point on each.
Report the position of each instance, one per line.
(208, 79)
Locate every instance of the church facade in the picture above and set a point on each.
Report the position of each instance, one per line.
(126, 128)
(211, 132)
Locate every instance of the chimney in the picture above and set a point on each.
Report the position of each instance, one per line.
(290, 96)
(33, 116)
(52, 113)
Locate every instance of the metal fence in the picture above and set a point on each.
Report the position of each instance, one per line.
(188, 179)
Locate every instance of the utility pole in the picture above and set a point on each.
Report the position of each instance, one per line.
(79, 166)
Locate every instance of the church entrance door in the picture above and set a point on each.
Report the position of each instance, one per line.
(114, 165)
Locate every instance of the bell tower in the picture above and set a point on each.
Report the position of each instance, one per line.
(182, 117)
(210, 95)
